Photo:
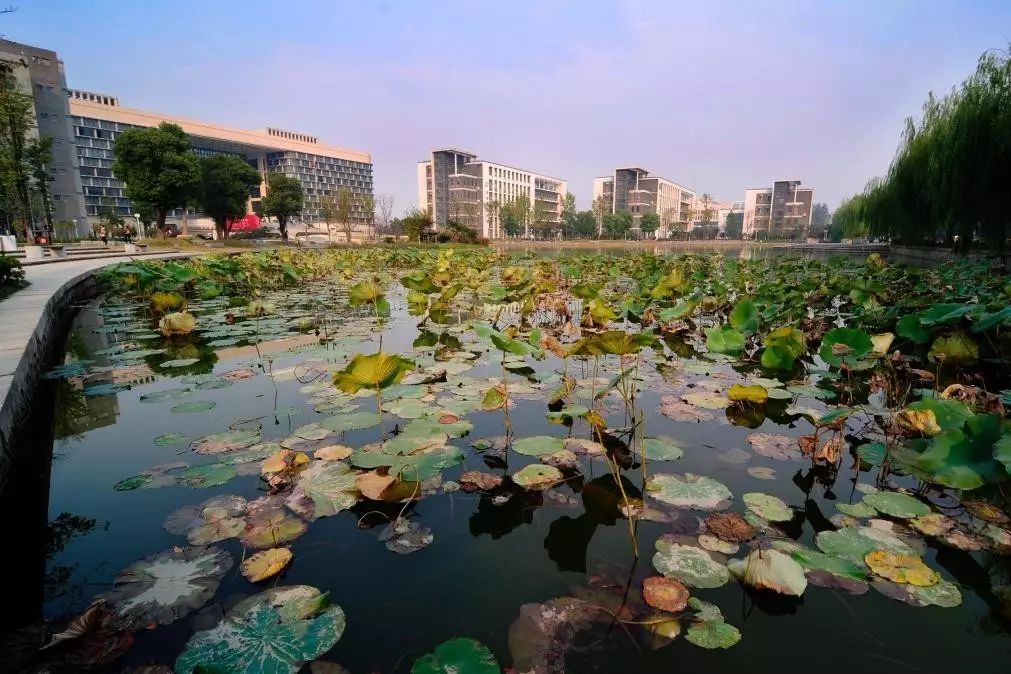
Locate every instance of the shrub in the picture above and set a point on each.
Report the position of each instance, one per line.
(12, 275)
(443, 237)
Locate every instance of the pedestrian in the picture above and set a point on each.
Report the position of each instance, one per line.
(128, 233)
(103, 235)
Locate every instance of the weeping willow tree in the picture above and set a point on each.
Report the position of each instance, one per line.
(951, 173)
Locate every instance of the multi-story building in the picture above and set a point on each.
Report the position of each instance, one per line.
(457, 185)
(98, 120)
(633, 190)
(40, 73)
(782, 211)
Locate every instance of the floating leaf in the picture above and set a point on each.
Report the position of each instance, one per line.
(693, 566)
(845, 347)
(354, 421)
(271, 529)
(730, 527)
(770, 570)
(169, 439)
(901, 568)
(750, 394)
(457, 656)
(854, 543)
(897, 505)
(661, 449)
(324, 489)
(376, 371)
(265, 564)
(665, 593)
(194, 406)
(713, 634)
(537, 476)
(226, 441)
(691, 491)
(169, 585)
(775, 446)
(956, 348)
(274, 632)
(538, 445)
(179, 323)
(768, 507)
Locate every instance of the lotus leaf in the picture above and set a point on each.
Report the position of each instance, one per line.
(845, 347)
(376, 371)
(457, 656)
(354, 421)
(194, 406)
(770, 570)
(265, 564)
(537, 476)
(693, 491)
(713, 634)
(724, 340)
(896, 504)
(750, 394)
(661, 449)
(323, 489)
(274, 632)
(272, 528)
(226, 441)
(179, 323)
(768, 507)
(692, 566)
(665, 593)
(901, 568)
(744, 317)
(853, 543)
(169, 585)
(538, 445)
(956, 348)
(207, 475)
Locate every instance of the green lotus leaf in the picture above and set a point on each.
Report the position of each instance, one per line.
(744, 317)
(194, 406)
(537, 476)
(853, 543)
(457, 656)
(693, 566)
(538, 445)
(662, 449)
(353, 421)
(845, 347)
(274, 632)
(691, 491)
(376, 371)
(768, 507)
(956, 348)
(724, 340)
(896, 504)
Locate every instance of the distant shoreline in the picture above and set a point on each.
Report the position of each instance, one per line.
(666, 243)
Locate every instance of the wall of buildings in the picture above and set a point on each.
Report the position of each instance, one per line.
(782, 211)
(40, 72)
(457, 185)
(635, 191)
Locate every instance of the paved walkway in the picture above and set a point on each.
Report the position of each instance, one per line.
(20, 313)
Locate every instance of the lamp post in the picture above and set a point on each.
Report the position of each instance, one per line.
(140, 225)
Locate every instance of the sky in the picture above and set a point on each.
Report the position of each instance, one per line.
(718, 96)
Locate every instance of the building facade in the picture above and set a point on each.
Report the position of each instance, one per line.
(98, 120)
(457, 185)
(635, 191)
(40, 73)
(782, 211)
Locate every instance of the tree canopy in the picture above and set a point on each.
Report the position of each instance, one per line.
(649, 223)
(951, 172)
(284, 199)
(159, 168)
(225, 184)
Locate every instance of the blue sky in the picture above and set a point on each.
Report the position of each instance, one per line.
(719, 96)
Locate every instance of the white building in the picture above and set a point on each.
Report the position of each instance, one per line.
(781, 211)
(456, 185)
(635, 191)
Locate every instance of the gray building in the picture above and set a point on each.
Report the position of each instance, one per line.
(782, 211)
(41, 71)
(633, 190)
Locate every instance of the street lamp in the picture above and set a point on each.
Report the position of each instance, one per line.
(140, 225)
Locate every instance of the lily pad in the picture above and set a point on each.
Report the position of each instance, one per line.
(226, 441)
(169, 439)
(901, 568)
(537, 476)
(274, 632)
(897, 504)
(354, 421)
(768, 507)
(662, 449)
(770, 570)
(692, 566)
(169, 585)
(265, 564)
(457, 656)
(713, 634)
(538, 445)
(691, 491)
(323, 489)
(194, 406)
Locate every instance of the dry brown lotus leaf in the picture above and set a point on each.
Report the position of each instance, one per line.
(986, 511)
(582, 446)
(561, 459)
(918, 421)
(807, 444)
(934, 524)
(666, 594)
(908, 569)
(553, 345)
(448, 419)
(333, 453)
(475, 480)
(775, 446)
(729, 527)
(831, 451)
(678, 410)
(963, 540)
(372, 484)
(282, 461)
(265, 564)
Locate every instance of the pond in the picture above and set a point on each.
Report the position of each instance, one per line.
(420, 460)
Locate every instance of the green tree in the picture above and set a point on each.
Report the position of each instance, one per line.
(328, 212)
(515, 215)
(159, 169)
(16, 121)
(601, 207)
(541, 222)
(707, 212)
(416, 222)
(225, 185)
(649, 223)
(734, 226)
(569, 215)
(617, 224)
(345, 204)
(585, 226)
(39, 155)
(284, 199)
